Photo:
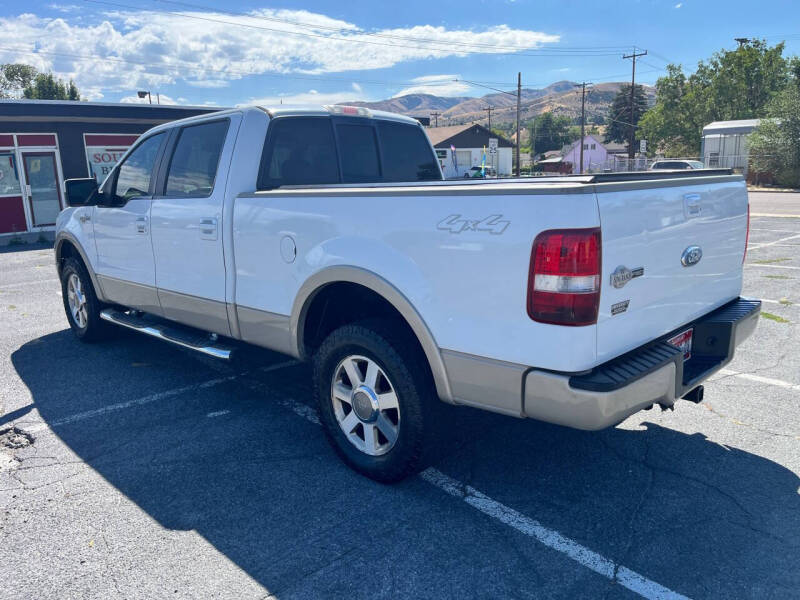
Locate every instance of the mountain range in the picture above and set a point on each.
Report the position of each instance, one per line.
(561, 98)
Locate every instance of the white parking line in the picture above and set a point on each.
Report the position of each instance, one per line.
(759, 379)
(773, 215)
(772, 266)
(786, 304)
(550, 538)
(765, 244)
(148, 399)
(33, 282)
(590, 559)
(218, 413)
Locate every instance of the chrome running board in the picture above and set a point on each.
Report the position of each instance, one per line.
(193, 339)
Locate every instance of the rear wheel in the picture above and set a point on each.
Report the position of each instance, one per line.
(81, 303)
(374, 399)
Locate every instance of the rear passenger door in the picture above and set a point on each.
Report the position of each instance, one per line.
(187, 223)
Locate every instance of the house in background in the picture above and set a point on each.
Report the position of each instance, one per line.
(469, 142)
(598, 156)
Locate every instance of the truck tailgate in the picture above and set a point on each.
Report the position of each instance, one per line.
(652, 281)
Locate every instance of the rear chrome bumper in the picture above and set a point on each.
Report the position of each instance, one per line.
(652, 374)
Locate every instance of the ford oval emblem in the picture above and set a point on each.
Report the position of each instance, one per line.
(691, 256)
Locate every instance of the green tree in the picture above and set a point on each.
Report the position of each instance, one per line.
(15, 77)
(621, 122)
(733, 84)
(46, 86)
(552, 132)
(775, 144)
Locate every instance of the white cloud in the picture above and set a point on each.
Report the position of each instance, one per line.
(145, 50)
(679, 4)
(439, 85)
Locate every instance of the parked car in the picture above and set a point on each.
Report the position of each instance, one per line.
(476, 173)
(328, 234)
(677, 164)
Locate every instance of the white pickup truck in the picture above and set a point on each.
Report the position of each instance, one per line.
(328, 234)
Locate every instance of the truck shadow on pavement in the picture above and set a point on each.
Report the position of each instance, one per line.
(262, 486)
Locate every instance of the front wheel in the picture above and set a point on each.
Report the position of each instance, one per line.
(374, 399)
(81, 303)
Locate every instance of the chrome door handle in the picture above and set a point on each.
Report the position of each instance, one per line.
(208, 228)
(141, 224)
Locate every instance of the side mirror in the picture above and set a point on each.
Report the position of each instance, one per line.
(81, 192)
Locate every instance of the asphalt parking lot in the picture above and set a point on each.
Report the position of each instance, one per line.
(140, 470)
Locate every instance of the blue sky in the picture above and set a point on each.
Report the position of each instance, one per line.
(232, 52)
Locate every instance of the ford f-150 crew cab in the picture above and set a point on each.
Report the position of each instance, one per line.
(328, 234)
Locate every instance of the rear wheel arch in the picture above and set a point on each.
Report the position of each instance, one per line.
(376, 297)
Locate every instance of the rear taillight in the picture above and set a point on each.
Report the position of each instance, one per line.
(746, 235)
(564, 277)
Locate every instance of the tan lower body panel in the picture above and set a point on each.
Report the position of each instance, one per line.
(266, 329)
(485, 383)
(130, 295)
(208, 315)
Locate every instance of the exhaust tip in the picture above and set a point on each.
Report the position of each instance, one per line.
(696, 395)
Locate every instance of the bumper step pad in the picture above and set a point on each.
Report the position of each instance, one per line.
(713, 345)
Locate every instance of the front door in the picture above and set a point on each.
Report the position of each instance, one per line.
(43, 191)
(125, 264)
(187, 224)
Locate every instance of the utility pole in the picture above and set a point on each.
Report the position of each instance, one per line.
(519, 97)
(489, 109)
(631, 149)
(435, 116)
(533, 143)
(583, 119)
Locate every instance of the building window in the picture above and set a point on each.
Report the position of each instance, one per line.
(586, 146)
(594, 146)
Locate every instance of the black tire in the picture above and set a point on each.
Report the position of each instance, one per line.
(396, 353)
(95, 329)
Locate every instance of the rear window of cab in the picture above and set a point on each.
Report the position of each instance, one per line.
(327, 150)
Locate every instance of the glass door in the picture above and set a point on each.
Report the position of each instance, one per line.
(43, 191)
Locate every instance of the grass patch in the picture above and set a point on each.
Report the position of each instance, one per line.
(772, 317)
(777, 277)
(770, 261)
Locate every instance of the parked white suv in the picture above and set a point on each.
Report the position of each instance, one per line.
(329, 235)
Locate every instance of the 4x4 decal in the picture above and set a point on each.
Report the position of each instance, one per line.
(494, 224)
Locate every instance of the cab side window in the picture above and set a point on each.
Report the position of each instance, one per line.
(136, 172)
(194, 163)
(299, 151)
